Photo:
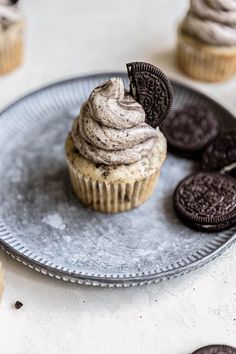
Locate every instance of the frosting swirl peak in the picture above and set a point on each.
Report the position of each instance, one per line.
(212, 21)
(111, 128)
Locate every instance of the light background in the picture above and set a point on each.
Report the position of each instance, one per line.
(69, 38)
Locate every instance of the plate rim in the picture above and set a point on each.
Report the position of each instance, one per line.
(116, 281)
(141, 278)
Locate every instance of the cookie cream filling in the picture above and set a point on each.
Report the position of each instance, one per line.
(212, 21)
(111, 128)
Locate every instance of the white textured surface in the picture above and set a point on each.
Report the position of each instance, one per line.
(174, 317)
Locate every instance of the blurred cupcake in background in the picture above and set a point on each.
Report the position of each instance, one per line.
(11, 36)
(206, 48)
(1, 282)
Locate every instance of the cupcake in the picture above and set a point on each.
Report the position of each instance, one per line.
(114, 156)
(206, 48)
(1, 282)
(11, 36)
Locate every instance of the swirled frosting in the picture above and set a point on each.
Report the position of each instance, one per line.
(9, 14)
(111, 128)
(212, 21)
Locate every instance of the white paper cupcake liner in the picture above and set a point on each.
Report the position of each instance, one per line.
(110, 197)
(11, 53)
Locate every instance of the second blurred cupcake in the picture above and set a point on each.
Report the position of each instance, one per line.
(206, 48)
(11, 36)
(1, 282)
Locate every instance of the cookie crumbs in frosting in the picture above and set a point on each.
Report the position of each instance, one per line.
(212, 21)
(111, 128)
(9, 14)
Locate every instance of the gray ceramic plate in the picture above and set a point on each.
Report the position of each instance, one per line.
(45, 227)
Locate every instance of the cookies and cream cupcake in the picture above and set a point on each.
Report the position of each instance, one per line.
(206, 48)
(1, 282)
(114, 156)
(11, 36)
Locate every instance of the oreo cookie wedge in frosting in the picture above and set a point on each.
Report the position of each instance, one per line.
(190, 129)
(152, 89)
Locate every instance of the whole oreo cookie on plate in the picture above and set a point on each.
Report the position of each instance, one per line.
(152, 89)
(189, 130)
(221, 154)
(216, 349)
(206, 201)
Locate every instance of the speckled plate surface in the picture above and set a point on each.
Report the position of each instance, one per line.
(43, 225)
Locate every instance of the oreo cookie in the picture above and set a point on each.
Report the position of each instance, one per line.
(152, 89)
(216, 349)
(221, 154)
(206, 201)
(189, 130)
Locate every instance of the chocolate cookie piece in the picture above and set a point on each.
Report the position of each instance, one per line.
(207, 201)
(18, 305)
(152, 89)
(221, 154)
(216, 349)
(189, 130)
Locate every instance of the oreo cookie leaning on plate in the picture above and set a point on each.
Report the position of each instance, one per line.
(221, 154)
(152, 89)
(189, 130)
(207, 201)
(216, 349)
